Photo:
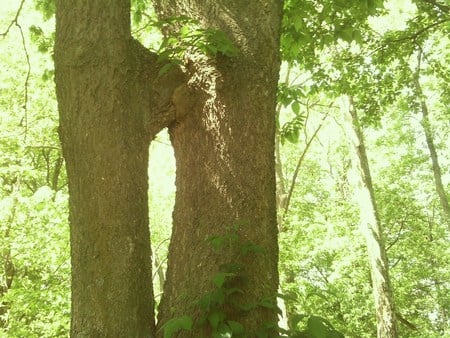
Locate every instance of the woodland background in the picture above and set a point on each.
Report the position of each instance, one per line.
(393, 64)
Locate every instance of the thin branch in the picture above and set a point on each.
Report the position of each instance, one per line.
(443, 8)
(415, 35)
(24, 121)
(408, 38)
(13, 21)
(299, 163)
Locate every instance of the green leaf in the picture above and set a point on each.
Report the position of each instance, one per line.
(223, 331)
(236, 327)
(268, 303)
(176, 324)
(295, 319)
(292, 136)
(205, 302)
(184, 31)
(345, 33)
(319, 327)
(217, 242)
(215, 318)
(295, 107)
(230, 291)
(220, 278)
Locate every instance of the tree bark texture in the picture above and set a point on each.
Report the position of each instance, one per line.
(225, 176)
(373, 232)
(111, 104)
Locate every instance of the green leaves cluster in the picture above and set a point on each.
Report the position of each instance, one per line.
(215, 304)
(316, 327)
(310, 26)
(290, 96)
(186, 35)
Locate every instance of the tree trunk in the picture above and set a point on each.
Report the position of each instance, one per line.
(372, 230)
(224, 152)
(107, 92)
(431, 147)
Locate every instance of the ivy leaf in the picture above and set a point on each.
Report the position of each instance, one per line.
(215, 318)
(319, 327)
(217, 242)
(176, 324)
(267, 303)
(236, 327)
(220, 278)
(230, 291)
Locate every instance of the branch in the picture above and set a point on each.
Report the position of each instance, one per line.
(299, 163)
(443, 8)
(415, 35)
(24, 120)
(406, 322)
(408, 38)
(13, 21)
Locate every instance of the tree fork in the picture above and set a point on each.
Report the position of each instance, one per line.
(111, 104)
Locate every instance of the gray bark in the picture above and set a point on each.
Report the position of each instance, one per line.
(372, 230)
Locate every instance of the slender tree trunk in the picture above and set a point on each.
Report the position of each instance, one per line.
(372, 230)
(224, 152)
(281, 187)
(106, 94)
(426, 125)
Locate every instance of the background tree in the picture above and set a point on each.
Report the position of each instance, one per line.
(372, 230)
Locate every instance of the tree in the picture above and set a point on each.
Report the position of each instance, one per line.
(221, 118)
(426, 125)
(372, 230)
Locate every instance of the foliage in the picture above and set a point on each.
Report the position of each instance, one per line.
(310, 26)
(291, 96)
(187, 35)
(34, 259)
(215, 304)
(316, 327)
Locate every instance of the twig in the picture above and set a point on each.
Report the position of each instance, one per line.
(24, 120)
(13, 21)
(299, 163)
(441, 7)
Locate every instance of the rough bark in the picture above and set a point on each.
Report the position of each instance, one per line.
(372, 230)
(426, 125)
(224, 152)
(111, 104)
